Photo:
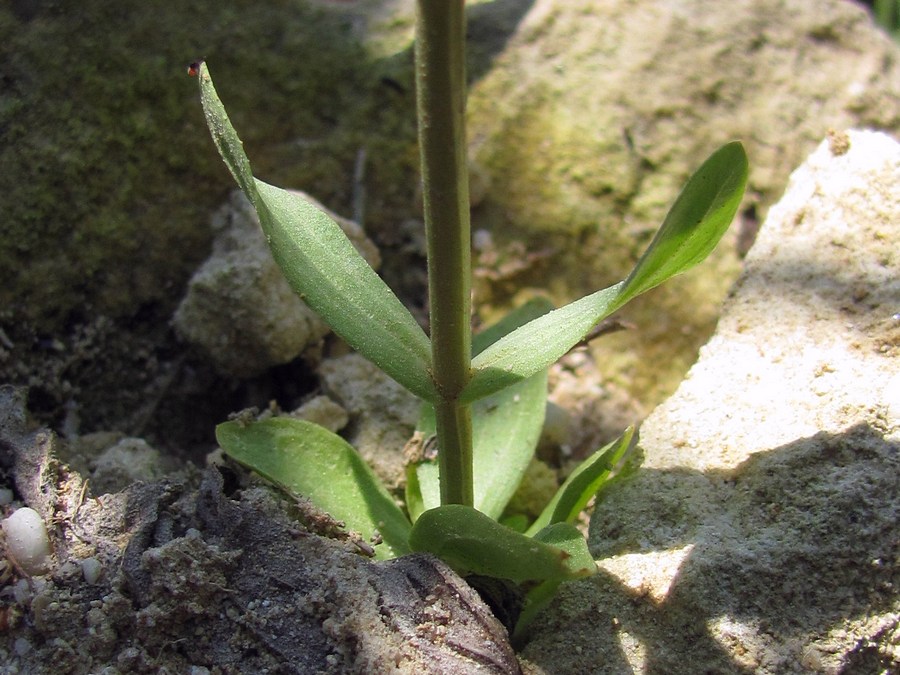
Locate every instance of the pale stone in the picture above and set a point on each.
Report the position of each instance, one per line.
(776, 464)
(26, 540)
(239, 310)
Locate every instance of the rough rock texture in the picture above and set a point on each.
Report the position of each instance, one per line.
(595, 104)
(761, 534)
(109, 174)
(239, 309)
(168, 577)
(596, 112)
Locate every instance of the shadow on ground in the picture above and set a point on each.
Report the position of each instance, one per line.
(784, 551)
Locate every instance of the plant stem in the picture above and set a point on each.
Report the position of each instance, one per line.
(441, 103)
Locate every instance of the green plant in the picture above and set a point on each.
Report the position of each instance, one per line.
(484, 398)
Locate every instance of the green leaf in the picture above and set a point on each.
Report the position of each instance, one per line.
(423, 485)
(693, 227)
(414, 497)
(505, 431)
(306, 459)
(534, 308)
(568, 538)
(696, 221)
(537, 344)
(582, 484)
(472, 542)
(324, 268)
(224, 136)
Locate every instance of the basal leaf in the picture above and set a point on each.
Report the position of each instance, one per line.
(324, 268)
(535, 600)
(472, 542)
(423, 485)
(582, 484)
(693, 227)
(505, 431)
(567, 537)
(306, 459)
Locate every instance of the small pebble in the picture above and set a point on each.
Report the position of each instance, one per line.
(91, 569)
(26, 540)
(22, 591)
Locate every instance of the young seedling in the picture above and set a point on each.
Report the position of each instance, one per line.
(483, 397)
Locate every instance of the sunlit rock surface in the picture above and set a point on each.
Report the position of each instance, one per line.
(761, 534)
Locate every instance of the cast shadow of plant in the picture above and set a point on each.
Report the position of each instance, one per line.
(783, 550)
(490, 26)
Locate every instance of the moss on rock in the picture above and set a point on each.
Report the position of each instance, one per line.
(109, 174)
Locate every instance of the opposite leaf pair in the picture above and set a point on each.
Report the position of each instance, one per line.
(507, 382)
(321, 264)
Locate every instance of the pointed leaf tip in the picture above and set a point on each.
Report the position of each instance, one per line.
(323, 267)
(224, 136)
(583, 483)
(696, 222)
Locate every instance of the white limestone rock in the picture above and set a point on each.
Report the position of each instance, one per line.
(761, 534)
(239, 309)
(26, 540)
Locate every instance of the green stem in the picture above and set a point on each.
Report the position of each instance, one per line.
(441, 92)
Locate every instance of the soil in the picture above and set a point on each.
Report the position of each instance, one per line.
(203, 572)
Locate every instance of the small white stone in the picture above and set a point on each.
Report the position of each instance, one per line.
(26, 540)
(91, 569)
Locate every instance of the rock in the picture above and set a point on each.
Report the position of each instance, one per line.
(595, 113)
(552, 93)
(596, 409)
(324, 412)
(239, 309)
(133, 140)
(128, 460)
(761, 533)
